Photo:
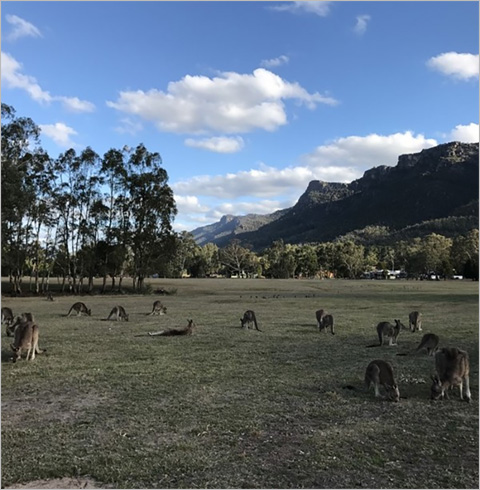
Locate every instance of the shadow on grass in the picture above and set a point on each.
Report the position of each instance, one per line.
(7, 356)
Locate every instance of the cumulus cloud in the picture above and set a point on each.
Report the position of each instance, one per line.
(364, 152)
(361, 25)
(274, 62)
(189, 204)
(13, 77)
(465, 133)
(229, 103)
(461, 66)
(128, 126)
(321, 9)
(21, 28)
(60, 133)
(218, 144)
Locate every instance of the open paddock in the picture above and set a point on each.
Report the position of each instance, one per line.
(233, 408)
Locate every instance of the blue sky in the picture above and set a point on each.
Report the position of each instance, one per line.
(246, 102)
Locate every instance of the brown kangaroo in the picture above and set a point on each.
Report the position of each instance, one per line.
(24, 317)
(188, 330)
(381, 373)
(26, 338)
(158, 308)
(80, 308)
(415, 321)
(248, 319)
(319, 314)
(452, 367)
(7, 315)
(119, 313)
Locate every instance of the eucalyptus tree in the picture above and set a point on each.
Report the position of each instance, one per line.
(149, 213)
(20, 139)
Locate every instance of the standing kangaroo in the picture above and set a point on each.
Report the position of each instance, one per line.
(386, 329)
(319, 314)
(415, 321)
(24, 317)
(175, 331)
(119, 313)
(7, 315)
(452, 367)
(158, 308)
(381, 373)
(327, 321)
(26, 338)
(249, 318)
(80, 308)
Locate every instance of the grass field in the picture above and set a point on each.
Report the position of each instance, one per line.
(229, 408)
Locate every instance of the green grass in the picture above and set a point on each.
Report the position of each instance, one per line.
(229, 408)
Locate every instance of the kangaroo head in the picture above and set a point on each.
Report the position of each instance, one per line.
(393, 392)
(436, 388)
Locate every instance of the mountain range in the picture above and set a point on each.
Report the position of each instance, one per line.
(435, 190)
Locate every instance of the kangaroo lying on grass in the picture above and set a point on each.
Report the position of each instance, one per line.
(119, 313)
(248, 319)
(80, 308)
(188, 330)
(452, 367)
(381, 373)
(158, 308)
(26, 338)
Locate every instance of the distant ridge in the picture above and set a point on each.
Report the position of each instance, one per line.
(436, 189)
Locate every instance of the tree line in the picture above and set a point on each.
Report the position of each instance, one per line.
(82, 216)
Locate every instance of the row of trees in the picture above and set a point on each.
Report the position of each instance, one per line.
(343, 258)
(82, 216)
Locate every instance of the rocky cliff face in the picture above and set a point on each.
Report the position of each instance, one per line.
(435, 183)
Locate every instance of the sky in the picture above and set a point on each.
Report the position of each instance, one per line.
(246, 102)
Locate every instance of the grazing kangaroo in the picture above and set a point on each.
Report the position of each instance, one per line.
(26, 338)
(158, 308)
(319, 314)
(249, 318)
(429, 342)
(327, 321)
(415, 321)
(7, 315)
(119, 313)
(381, 373)
(24, 317)
(175, 331)
(452, 367)
(80, 308)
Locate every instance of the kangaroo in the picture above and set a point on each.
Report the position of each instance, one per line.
(381, 373)
(249, 318)
(430, 343)
(327, 321)
(319, 314)
(452, 367)
(188, 330)
(158, 308)
(50, 297)
(415, 321)
(386, 329)
(7, 315)
(80, 308)
(26, 338)
(24, 317)
(119, 313)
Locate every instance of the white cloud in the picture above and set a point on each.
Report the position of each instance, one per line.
(189, 204)
(462, 66)
(60, 133)
(465, 133)
(218, 144)
(229, 103)
(361, 25)
(13, 77)
(367, 151)
(21, 28)
(274, 62)
(313, 7)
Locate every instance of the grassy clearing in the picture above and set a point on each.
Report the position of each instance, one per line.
(228, 408)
